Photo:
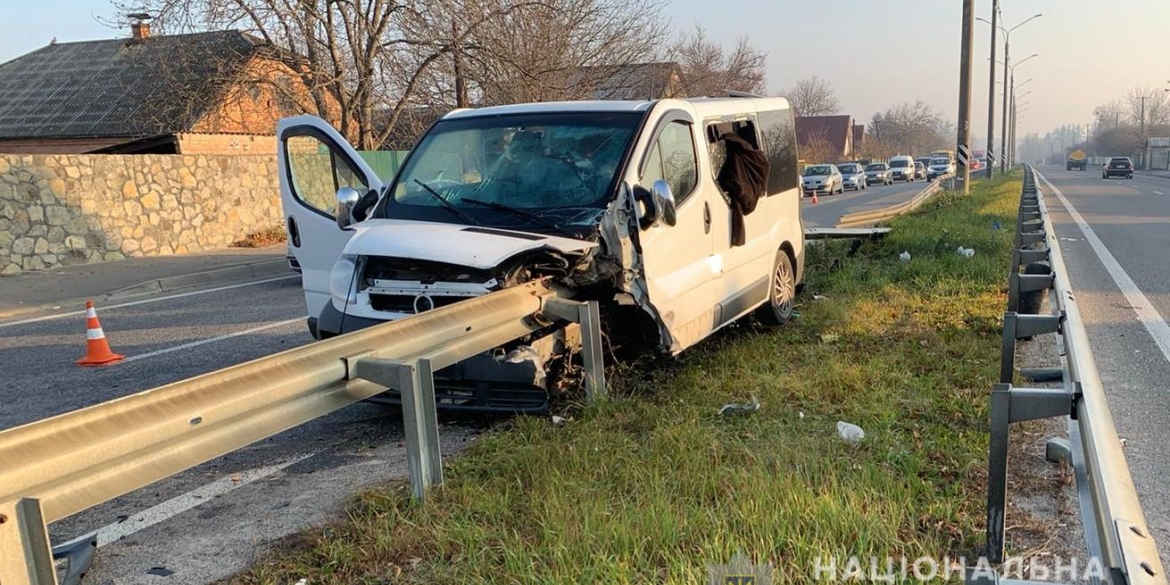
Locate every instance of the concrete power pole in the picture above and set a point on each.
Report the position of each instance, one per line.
(963, 152)
(990, 149)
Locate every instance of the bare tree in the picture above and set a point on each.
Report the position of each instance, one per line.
(374, 62)
(812, 97)
(915, 128)
(710, 69)
(1147, 106)
(1110, 115)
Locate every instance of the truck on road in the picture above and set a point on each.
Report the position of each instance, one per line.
(1076, 160)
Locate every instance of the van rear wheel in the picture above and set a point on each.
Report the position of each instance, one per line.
(781, 293)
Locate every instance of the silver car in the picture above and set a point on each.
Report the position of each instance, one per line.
(853, 176)
(878, 174)
(822, 179)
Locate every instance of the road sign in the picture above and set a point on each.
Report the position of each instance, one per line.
(964, 154)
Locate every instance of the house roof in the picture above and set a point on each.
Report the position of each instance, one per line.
(834, 129)
(119, 87)
(634, 81)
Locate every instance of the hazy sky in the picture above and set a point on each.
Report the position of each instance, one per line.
(875, 52)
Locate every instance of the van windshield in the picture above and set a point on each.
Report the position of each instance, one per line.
(899, 163)
(526, 171)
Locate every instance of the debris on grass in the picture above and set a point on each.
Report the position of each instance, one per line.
(904, 256)
(740, 408)
(850, 432)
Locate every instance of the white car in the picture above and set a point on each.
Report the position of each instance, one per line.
(853, 176)
(939, 166)
(620, 201)
(902, 168)
(822, 179)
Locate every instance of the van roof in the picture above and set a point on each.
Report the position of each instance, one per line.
(703, 107)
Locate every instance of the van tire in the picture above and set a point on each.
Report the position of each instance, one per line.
(781, 293)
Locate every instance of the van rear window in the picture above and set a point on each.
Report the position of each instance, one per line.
(779, 134)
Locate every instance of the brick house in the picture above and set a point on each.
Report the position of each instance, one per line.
(219, 92)
(826, 139)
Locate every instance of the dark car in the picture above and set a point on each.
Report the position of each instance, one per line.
(1118, 166)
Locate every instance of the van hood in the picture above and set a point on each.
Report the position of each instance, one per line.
(463, 245)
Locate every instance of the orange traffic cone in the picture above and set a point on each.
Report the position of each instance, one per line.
(97, 350)
(815, 197)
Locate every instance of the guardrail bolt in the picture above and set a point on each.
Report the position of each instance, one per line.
(1148, 569)
(3, 518)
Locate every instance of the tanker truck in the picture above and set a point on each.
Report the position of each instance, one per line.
(1076, 160)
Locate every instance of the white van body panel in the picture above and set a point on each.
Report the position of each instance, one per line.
(451, 243)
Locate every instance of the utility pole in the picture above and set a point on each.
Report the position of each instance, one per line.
(1009, 111)
(1007, 59)
(964, 138)
(990, 150)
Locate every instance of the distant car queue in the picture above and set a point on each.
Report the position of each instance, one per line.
(829, 179)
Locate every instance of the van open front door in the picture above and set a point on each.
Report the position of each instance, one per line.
(314, 161)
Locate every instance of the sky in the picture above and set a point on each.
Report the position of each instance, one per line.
(876, 53)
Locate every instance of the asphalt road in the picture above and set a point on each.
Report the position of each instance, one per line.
(1120, 270)
(214, 520)
(831, 207)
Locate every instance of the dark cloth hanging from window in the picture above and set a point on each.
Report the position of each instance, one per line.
(744, 178)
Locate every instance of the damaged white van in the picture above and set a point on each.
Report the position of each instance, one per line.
(677, 216)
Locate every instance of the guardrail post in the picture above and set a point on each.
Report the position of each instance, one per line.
(588, 315)
(415, 383)
(997, 463)
(25, 555)
(421, 425)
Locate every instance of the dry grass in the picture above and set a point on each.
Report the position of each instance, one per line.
(269, 236)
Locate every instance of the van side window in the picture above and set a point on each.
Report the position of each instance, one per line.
(672, 157)
(780, 145)
(717, 148)
(318, 171)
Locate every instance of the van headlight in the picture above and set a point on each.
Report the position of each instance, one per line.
(342, 278)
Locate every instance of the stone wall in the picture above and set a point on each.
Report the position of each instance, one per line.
(69, 209)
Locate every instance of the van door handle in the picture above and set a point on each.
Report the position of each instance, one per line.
(706, 217)
(293, 232)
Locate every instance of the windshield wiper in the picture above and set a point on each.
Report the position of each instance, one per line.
(515, 212)
(447, 204)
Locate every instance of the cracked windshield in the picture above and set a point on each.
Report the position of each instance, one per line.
(537, 172)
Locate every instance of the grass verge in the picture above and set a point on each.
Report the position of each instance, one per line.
(652, 486)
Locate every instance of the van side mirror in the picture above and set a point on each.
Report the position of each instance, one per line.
(347, 199)
(663, 200)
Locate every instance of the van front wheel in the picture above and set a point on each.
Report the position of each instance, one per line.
(781, 293)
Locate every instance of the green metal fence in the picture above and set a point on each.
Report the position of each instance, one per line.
(385, 163)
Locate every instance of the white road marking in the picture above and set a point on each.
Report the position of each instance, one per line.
(1158, 193)
(1146, 313)
(213, 339)
(177, 505)
(147, 301)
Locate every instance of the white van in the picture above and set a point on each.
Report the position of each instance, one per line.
(619, 201)
(902, 168)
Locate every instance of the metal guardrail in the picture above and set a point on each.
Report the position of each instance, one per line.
(1115, 528)
(59, 466)
(844, 233)
(868, 218)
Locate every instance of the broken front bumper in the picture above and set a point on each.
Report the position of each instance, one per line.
(511, 383)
